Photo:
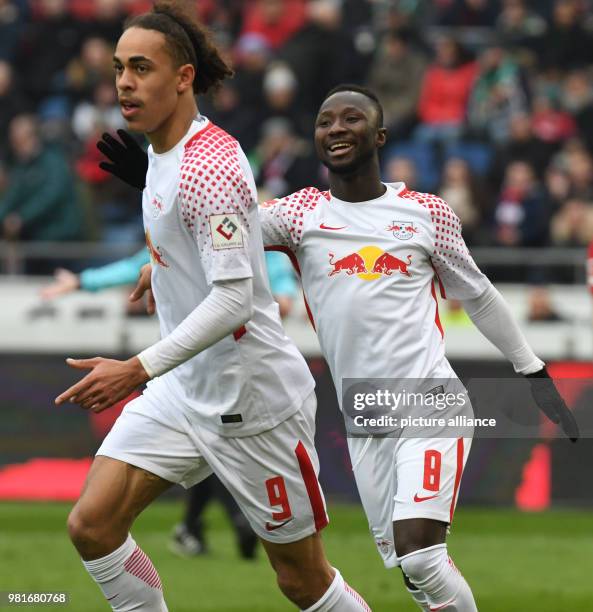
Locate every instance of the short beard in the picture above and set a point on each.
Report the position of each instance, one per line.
(352, 167)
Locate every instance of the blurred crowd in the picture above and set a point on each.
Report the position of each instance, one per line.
(488, 104)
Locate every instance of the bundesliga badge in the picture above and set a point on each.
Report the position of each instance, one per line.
(402, 230)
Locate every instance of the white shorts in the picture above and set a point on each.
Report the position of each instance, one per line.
(272, 475)
(406, 478)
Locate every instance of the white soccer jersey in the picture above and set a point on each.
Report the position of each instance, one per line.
(201, 223)
(368, 270)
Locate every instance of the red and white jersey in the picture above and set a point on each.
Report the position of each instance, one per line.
(368, 273)
(200, 217)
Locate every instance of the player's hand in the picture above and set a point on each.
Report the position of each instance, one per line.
(127, 160)
(64, 282)
(550, 402)
(108, 382)
(144, 286)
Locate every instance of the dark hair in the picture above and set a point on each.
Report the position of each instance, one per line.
(186, 40)
(361, 90)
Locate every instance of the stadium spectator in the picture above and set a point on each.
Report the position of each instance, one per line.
(12, 23)
(523, 145)
(320, 54)
(94, 65)
(252, 54)
(285, 162)
(577, 162)
(280, 88)
(520, 216)
(40, 202)
(497, 95)
(49, 42)
(225, 107)
(518, 28)
(275, 20)
(396, 74)
(402, 169)
(446, 87)
(12, 103)
(550, 123)
(572, 226)
(99, 114)
(106, 20)
(577, 99)
(557, 187)
(566, 44)
(113, 206)
(464, 193)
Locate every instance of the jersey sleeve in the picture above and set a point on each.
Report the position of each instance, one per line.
(282, 219)
(215, 202)
(275, 225)
(458, 274)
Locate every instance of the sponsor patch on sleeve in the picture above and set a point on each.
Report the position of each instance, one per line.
(226, 232)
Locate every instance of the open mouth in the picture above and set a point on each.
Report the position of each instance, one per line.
(129, 109)
(340, 148)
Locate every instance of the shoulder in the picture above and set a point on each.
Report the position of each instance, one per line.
(289, 212)
(301, 201)
(211, 153)
(211, 164)
(436, 206)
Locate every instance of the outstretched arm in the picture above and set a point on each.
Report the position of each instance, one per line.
(492, 316)
(462, 279)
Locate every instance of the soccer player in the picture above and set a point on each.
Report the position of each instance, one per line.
(368, 253)
(229, 393)
(188, 538)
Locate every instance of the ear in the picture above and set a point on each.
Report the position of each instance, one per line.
(185, 78)
(381, 137)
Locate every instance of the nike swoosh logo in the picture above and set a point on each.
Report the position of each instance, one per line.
(270, 527)
(417, 498)
(327, 227)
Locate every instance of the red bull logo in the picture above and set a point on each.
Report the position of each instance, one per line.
(155, 252)
(403, 230)
(351, 264)
(157, 206)
(369, 263)
(384, 545)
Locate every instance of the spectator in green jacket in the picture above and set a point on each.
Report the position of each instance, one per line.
(40, 202)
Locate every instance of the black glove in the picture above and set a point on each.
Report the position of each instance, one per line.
(129, 160)
(550, 402)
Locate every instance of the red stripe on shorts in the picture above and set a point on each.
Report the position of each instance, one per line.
(312, 486)
(458, 474)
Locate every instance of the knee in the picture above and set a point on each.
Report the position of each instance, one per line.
(422, 566)
(303, 587)
(81, 528)
(89, 534)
